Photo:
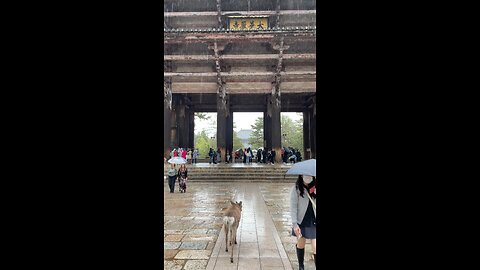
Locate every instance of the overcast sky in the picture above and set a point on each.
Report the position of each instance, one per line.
(241, 120)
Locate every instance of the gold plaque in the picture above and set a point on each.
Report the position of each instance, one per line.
(247, 23)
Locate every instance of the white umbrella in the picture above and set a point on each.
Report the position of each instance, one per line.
(307, 167)
(177, 160)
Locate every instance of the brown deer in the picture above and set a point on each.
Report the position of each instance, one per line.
(231, 219)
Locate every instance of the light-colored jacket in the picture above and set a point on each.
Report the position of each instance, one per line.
(298, 206)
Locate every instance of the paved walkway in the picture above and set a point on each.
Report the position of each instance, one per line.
(195, 239)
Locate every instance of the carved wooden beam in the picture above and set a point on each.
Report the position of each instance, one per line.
(236, 74)
(258, 57)
(176, 38)
(242, 87)
(240, 13)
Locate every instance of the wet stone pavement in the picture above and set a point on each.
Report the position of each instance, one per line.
(194, 237)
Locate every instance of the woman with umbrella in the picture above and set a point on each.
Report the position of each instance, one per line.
(303, 208)
(172, 176)
(172, 172)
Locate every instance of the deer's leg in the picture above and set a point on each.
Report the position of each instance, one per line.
(231, 251)
(236, 234)
(226, 237)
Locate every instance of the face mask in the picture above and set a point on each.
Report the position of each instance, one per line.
(307, 179)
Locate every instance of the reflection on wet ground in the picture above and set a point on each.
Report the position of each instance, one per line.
(194, 238)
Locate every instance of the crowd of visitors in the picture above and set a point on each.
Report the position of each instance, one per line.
(188, 154)
(246, 155)
(291, 155)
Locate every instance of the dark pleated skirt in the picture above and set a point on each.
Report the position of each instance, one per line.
(308, 232)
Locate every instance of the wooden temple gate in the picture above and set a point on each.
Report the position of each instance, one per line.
(213, 63)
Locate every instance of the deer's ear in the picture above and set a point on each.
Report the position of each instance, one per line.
(240, 203)
(232, 202)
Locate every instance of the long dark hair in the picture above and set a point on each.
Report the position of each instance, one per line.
(183, 167)
(301, 187)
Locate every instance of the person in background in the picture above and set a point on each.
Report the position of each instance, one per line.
(210, 155)
(189, 155)
(195, 156)
(172, 176)
(214, 156)
(184, 154)
(240, 153)
(182, 178)
(175, 153)
(219, 156)
(303, 214)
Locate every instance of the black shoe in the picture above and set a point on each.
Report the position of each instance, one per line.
(300, 257)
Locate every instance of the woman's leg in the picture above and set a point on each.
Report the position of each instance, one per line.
(301, 242)
(170, 183)
(314, 246)
(301, 252)
(314, 249)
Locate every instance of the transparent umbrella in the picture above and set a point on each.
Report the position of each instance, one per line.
(307, 167)
(177, 160)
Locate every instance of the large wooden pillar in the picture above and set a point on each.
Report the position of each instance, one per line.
(222, 102)
(167, 129)
(187, 127)
(267, 131)
(167, 112)
(276, 132)
(306, 135)
(173, 125)
(229, 133)
(181, 124)
(191, 128)
(313, 126)
(221, 128)
(275, 98)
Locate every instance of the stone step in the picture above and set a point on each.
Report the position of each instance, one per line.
(234, 172)
(241, 176)
(222, 173)
(240, 180)
(257, 176)
(237, 170)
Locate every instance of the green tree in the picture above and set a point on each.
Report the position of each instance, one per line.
(256, 138)
(296, 138)
(292, 133)
(203, 143)
(202, 116)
